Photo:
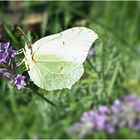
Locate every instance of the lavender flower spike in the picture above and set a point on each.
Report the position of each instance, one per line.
(12, 53)
(104, 110)
(91, 53)
(124, 113)
(20, 81)
(4, 52)
(3, 56)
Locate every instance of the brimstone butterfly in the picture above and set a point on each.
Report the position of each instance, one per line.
(56, 61)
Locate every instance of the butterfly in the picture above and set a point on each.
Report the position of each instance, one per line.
(56, 61)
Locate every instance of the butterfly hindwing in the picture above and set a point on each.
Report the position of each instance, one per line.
(55, 75)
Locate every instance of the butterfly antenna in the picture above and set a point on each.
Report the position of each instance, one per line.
(21, 32)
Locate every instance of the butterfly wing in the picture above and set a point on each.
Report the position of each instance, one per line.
(55, 75)
(58, 58)
(72, 44)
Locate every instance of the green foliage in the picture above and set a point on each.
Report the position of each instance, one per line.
(112, 73)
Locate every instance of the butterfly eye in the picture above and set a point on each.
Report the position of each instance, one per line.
(29, 46)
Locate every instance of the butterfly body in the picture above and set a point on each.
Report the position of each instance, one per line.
(56, 61)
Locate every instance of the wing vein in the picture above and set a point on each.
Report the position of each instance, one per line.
(40, 74)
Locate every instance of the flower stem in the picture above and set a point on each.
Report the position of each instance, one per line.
(47, 100)
(43, 97)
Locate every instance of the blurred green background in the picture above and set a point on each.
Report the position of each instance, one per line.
(112, 73)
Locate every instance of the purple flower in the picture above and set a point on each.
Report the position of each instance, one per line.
(20, 81)
(104, 110)
(128, 98)
(91, 53)
(117, 106)
(136, 126)
(12, 53)
(75, 129)
(4, 46)
(124, 112)
(101, 120)
(3, 57)
(137, 105)
(87, 116)
(8, 67)
(4, 52)
(109, 128)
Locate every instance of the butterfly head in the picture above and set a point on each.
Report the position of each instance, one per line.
(28, 48)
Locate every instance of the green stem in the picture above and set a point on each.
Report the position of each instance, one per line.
(92, 66)
(42, 96)
(102, 72)
(113, 78)
(10, 34)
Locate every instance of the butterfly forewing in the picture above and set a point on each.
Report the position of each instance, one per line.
(72, 44)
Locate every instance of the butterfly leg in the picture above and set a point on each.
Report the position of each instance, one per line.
(21, 51)
(23, 61)
(26, 65)
(27, 69)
